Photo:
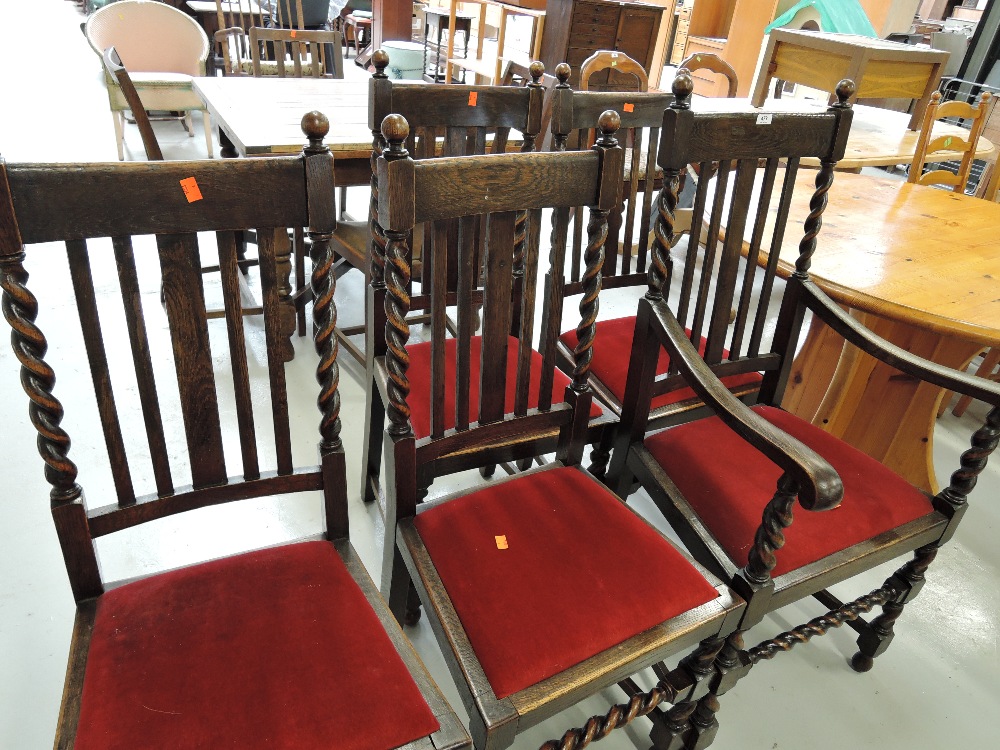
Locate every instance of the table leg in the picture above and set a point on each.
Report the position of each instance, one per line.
(879, 410)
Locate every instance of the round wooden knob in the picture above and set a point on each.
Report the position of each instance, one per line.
(315, 125)
(536, 70)
(683, 85)
(609, 122)
(395, 129)
(380, 59)
(563, 72)
(845, 90)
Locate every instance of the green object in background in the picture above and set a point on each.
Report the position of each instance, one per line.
(836, 16)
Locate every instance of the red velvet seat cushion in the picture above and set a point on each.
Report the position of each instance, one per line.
(276, 648)
(419, 373)
(613, 349)
(571, 583)
(728, 483)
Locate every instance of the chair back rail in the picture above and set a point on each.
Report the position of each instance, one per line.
(102, 214)
(501, 188)
(314, 53)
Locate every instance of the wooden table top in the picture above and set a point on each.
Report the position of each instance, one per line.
(910, 253)
(878, 138)
(262, 115)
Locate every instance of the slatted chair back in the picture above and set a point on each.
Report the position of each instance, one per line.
(235, 19)
(928, 144)
(316, 54)
(232, 442)
(114, 67)
(715, 280)
(512, 419)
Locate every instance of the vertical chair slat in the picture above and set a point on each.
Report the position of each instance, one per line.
(185, 302)
(552, 306)
(455, 142)
(135, 321)
(725, 283)
(496, 316)
(694, 239)
(500, 139)
(711, 250)
(229, 270)
(648, 191)
(633, 190)
(439, 302)
(90, 322)
(273, 333)
(781, 217)
(753, 254)
(525, 332)
(466, 279)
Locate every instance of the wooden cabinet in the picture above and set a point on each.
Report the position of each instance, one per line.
(575, 29)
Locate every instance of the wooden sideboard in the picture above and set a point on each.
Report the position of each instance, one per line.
(575, 29)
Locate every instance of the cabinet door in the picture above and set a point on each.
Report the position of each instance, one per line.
(636, 37)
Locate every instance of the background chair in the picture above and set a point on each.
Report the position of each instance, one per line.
(163, 49)
(617, 67)
(316, 54)
(216, 620)
(727, 483)
(928, 145)
(493, 566)
(715, 64)
(448, 120)
(113, 66)
(232, 40)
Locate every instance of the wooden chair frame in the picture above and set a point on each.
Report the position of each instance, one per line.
(319, 54)
(44, 203)
(611, 60)
(928, 144)
(702, 138)
(464, 188)
(715, 64)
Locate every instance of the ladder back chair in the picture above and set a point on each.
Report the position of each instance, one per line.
(265, 647)
(714, 64)
(928, 144)
(232, 40)
(727, 483)
(445, 121)
(492, 565)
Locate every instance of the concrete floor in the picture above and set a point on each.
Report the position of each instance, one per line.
(935, 688)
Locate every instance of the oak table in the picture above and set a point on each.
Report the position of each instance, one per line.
(920, 267)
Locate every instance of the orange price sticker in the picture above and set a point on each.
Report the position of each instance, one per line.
(473, 95)
(501, 542)
(191, 190)
(629, 107)
(294, 32)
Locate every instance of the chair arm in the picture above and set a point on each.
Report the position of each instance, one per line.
(858, 335)
(819, 486)
(221, 34)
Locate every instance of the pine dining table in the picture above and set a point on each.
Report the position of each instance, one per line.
(918, 266)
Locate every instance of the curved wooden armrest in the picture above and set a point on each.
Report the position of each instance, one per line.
(819, 486)
(221, 34)
(930, 372)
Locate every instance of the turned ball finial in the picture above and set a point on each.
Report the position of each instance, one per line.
(608, 123)
(315, 125)
(682, 87)
(563, 72)
(845, 90)
(536, 70)
(380, 59)
(395, 130)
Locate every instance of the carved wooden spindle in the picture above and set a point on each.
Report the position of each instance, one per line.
(973, 461)
(536, 70)
(563, 72)
(769, 537)
(315, 126)
(20, 308)
(660, 263)
(395, 131)
(821, 625)
(380, 59)
(597, 234)
(817, 204)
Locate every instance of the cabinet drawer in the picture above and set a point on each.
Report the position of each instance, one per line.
(594, 37)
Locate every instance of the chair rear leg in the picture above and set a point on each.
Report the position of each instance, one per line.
(371, 461)
(878, 634)
(601, 454)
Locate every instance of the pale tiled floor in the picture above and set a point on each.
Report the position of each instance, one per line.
(935, 688)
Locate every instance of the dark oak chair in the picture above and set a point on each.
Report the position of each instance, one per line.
(632, 227)
(727, 483)
(269, 647)
(445, 121)
(497, 567)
